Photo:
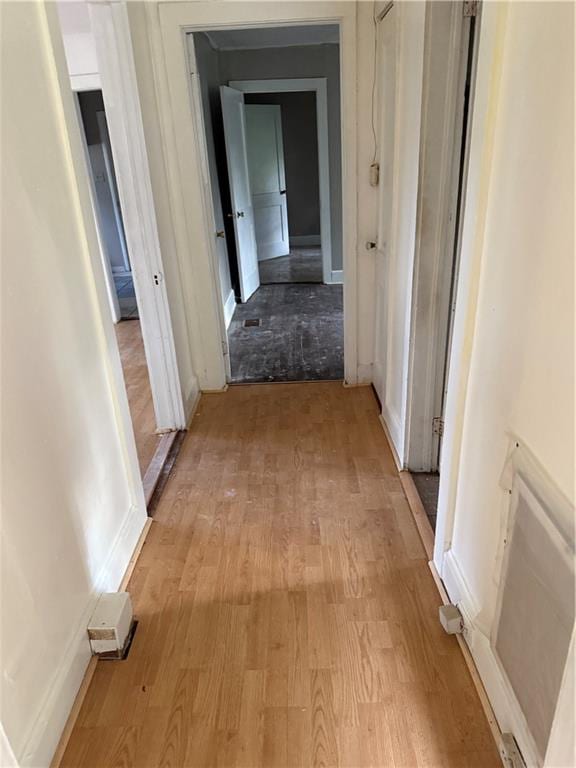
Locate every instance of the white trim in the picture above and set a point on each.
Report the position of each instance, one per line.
(434, 256)
(481, 147)
(229, 307)
(336, 276)
(89, 82)
(303, 240)
(183, 150)
(319, 86)
(113, 43)
(506, 709)
(391, 445)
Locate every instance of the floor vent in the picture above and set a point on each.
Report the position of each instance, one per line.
(252, 322)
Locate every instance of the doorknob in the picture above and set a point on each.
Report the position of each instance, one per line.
(220, 233)
(282, 191)
(239, 214)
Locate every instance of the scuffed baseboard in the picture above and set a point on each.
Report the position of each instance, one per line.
(229, 307)
(40, 746)
(499, 693)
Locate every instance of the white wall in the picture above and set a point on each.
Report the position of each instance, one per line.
(512, 363)
(72, 504)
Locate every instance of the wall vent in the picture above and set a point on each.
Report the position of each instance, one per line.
(535, 614)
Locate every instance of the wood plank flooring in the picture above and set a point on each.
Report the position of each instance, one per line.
(135, 370)
(287, 613)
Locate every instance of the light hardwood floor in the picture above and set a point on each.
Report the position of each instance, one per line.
(129, 338)
(287, 613)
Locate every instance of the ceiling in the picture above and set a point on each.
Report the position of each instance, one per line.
(273, 37)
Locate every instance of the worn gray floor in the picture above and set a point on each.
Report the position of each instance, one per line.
(427, 486)
(300, 336)
(302, 265)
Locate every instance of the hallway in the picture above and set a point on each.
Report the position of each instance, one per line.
(287, 615)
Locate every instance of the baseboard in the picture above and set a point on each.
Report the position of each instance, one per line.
(507, 713)
(154, 470)
(481, 691)
(301, 240)
(337, 276)
(192, 399)
(43, 738)
(418, 512)
(390, 442)
(229, 307)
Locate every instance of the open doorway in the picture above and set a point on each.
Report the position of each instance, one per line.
(274, 164)
(118, 270)
(446, 118)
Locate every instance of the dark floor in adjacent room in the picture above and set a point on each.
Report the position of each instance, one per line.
(302, 265)
(427, 486)
(300, 335)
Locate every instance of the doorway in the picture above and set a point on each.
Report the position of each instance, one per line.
(446, 115)
(269, 154)
(152, 447)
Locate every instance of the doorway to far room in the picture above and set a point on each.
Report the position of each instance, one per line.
(274, 156)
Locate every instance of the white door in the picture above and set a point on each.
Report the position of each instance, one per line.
(267, 179)
(242, 213)
(386, 63)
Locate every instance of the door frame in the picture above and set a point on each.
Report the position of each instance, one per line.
(110, 170)
(436, 249)
(318, 86)
(177, 90)
(111, 31)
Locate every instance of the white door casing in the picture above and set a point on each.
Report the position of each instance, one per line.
(267, 179)
(386, 63)
(111, 30)
(242, 213)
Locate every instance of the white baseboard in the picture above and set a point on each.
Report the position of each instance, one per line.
(53, 710)
(506, 708)
(390, 442)
(391, 426)
(229, 307)
(300, 240)
(337, 276)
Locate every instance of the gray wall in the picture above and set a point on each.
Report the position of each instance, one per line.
(300, 158)
(300, 61)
